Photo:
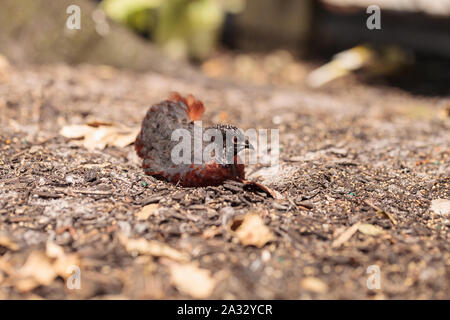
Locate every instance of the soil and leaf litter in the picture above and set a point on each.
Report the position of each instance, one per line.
(363, 180)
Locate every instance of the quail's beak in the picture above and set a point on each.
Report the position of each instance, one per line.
(248, 145)
(245, 145)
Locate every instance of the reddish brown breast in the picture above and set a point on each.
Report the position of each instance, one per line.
(212, 175)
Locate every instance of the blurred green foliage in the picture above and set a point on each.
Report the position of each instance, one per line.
(183, 28)
(138, 14)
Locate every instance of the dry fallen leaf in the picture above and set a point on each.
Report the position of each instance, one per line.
(7, 268)
(313, 284)
(98, 135)
(153, 248)
(147, 211)
(62, 264)
(62, 260)
(440, 206)
(37, 270)
(370, 229)
(75, 131)
(251, 230)
(53, 250)
(4, 63)
(4, 69)
(41, 268)
(211, 232)
(7, 243)
(26, 284)
(446, 112)
(192, 280)
(345, 236)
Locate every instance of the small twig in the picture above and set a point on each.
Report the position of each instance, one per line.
(95, 193)
(346, 235)
(264, 188)
(70, 229)
(380, 211)
(18, 154)
(91, 192)
(47, 195)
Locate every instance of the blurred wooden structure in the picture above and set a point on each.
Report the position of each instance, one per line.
(271, 24)
(419, 25)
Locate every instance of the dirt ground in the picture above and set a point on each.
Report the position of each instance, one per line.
(359, 167)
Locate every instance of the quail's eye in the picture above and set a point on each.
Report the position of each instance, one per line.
(235, 140)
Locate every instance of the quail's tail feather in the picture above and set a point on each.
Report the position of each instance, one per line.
(138, 145)
(195, 108)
